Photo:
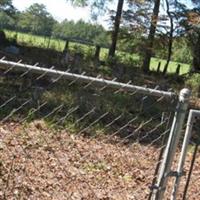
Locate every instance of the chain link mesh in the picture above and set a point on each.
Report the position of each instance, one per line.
(63, 139)
(189, 187)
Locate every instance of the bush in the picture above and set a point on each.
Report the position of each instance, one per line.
(182, 55)
(193, 83)
(181, 51)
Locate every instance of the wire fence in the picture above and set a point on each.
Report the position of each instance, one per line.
(71, 136)
(187, 185)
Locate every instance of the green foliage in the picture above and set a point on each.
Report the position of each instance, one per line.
(105, 70)
(129, 59)
(31, 115)
(182, 55)
(112, 60)
(189, 21)
(6, 21)
(78, 49)
(125, 58)
(81, 30)
(161, 46)
(7, 7)
(8, 14)
(36, 20)
(194, 83)
(181, 51)
(185, 68)
(88, 51)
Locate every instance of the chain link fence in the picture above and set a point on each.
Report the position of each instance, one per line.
(71, 136)
(186, 186)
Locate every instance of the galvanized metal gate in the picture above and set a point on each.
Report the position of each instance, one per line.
(155, 119)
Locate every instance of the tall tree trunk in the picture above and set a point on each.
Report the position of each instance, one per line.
(196, 56)
(3, 39)
(170, 37)
(116, 28)
(151, 36)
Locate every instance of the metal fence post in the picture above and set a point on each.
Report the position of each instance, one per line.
(165, 170)
(187, 137)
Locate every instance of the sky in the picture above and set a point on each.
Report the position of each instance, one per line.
(61, 10)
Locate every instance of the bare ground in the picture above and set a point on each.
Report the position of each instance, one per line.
(40, 163)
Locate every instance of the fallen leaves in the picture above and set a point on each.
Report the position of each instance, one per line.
(62, 166)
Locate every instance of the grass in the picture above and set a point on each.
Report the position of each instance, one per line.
(83, 104)
(58, 45)
(172, 66)
(34, 40)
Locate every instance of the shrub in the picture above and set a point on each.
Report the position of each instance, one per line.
(193, 82)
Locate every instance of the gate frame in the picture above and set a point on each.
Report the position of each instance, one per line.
(193, 115)
(165, 170)
(181, 110)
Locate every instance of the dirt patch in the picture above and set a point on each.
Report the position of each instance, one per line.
(40, 163)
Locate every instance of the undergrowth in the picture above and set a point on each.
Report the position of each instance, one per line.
(78, 108)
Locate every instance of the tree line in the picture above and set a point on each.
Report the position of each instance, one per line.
(37, 20)
(166, 28)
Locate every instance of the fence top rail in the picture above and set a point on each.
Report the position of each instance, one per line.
(86, 42)
(195, 112)
(17, 66)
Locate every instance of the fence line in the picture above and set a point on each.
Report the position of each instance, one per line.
(147, 124)
(172, 144)
(191, 119)
(85, 79)
(192, 123)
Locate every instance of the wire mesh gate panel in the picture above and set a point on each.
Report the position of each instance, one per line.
(186, 186)
(69, 136)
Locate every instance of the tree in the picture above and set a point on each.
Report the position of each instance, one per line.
(115, 31)
(171, 32)
(6, 21)
(189, 21)
(135, 26)
(151, 36)
(7, 12)
(101, 6)
(194, 20)
(91, 32)
(7, 7)
(194, 39)
(36, 20)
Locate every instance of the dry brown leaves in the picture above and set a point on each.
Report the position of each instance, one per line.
(40, 163)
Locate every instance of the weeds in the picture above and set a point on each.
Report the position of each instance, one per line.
(194, 83)
(131, 60)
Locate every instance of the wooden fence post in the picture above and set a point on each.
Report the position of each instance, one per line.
(158, 68)
(49, 41)
(66, 46)
(178, 69)
(97, 52)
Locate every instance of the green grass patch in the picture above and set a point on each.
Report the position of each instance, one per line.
(58, 45)
(172, 66)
